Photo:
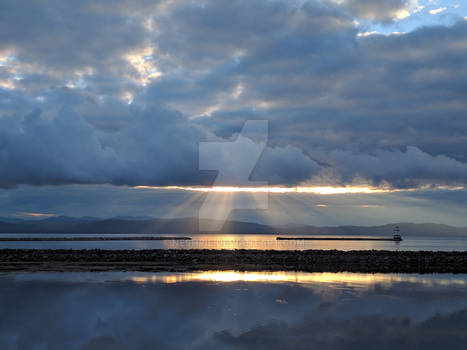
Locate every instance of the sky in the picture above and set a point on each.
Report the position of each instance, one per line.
(106, 106)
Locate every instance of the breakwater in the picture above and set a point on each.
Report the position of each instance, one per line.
(101, 238)
(156, 260)
(333, 239)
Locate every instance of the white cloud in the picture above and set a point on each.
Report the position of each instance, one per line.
(401, 14)
(436, 11)
(374, 32)
(6, 84)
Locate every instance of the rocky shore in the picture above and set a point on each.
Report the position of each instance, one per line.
(246, 260)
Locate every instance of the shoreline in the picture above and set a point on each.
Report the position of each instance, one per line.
(173, 260)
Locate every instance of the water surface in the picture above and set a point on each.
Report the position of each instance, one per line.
(246, 241)
(232, 310)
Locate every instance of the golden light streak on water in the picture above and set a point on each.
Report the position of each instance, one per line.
(325, 278)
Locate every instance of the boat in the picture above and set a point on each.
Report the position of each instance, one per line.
(396, 234)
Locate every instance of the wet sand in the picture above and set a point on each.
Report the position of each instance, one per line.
(158, 260)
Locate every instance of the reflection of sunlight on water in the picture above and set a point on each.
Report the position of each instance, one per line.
(268, 241)
(225, 241)
(342, 278)
(241, 241)
(328, 285)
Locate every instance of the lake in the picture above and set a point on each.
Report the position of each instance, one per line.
(232, 310)
(246, 241)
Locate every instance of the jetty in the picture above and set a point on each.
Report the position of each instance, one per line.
(100, 238)
(333, 239)
(396, 237)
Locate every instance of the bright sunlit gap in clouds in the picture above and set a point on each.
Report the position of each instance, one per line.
(318, 205)
(34, 215)
(324, 190)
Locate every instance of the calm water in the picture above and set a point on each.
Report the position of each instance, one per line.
(232, 310)
(219, 241)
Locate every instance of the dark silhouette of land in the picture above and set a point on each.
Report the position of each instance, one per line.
(348, 238)
(92, 238)
(187, 226)
(244, 260)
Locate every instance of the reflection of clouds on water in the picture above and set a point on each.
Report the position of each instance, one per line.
(363, 332)
(231, 310)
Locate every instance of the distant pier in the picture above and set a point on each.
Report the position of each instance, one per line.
(101, 238)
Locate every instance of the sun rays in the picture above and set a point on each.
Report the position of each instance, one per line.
(215, 207)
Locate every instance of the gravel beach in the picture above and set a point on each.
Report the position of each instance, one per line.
(157, 260)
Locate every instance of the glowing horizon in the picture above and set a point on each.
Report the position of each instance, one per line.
(322, 190)
(35, 215)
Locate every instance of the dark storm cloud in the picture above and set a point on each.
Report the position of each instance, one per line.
(286, 165)
(159, 147)
(149, 146)
(347, 103)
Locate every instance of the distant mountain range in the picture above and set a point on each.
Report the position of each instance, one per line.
(127, 224)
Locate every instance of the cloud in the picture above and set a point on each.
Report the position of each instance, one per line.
(198, 70)
(78, 43)
(381, 93)
(386, 10)
(149, 145)
(157, 147)
(284, 166)
(401, 169)
(364, 332)
(437, 11)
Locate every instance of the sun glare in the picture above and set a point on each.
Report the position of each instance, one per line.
(290, 277)
(315, 190)
(324, 190)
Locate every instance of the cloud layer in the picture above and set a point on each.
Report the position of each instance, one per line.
(123, 92)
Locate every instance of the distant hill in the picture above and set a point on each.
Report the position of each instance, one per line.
(11, 220)
(64, 224)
